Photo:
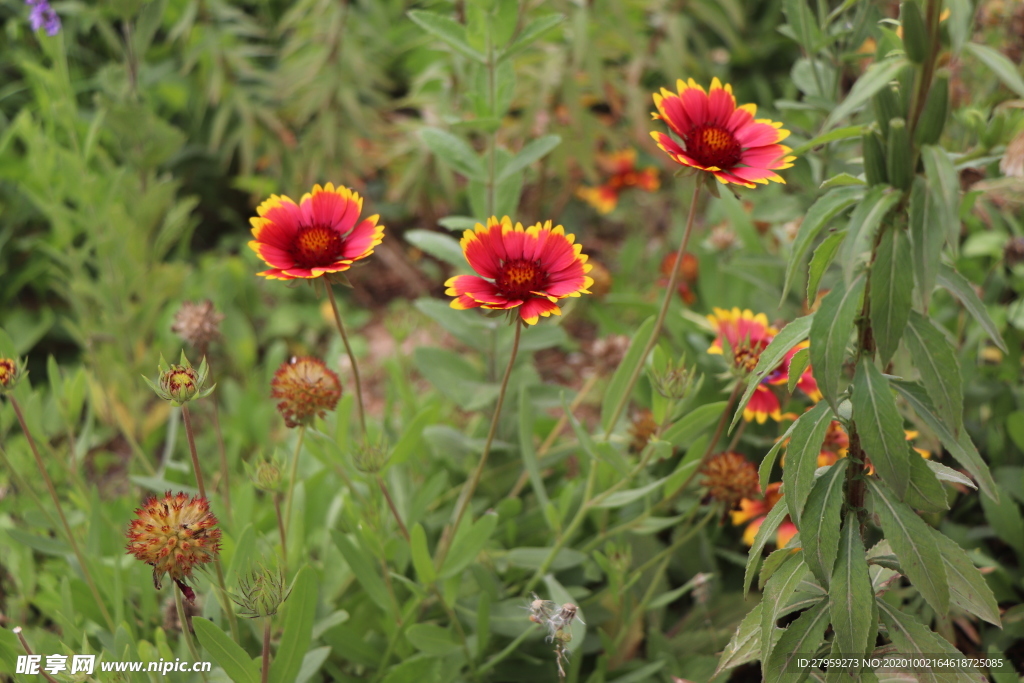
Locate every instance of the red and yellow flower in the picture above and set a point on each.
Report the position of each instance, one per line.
(620, 167)
(753, 511)
(719, 137)
(321, 234)
(806, 383)
(528, 269)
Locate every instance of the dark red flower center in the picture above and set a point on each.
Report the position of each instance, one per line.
(713, 146)
(316, 245)
(518, 278)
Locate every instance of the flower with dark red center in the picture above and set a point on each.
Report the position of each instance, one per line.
(730, 477)
(321, 234)
(620, 167)
(174, 535)
(529, 269)
(719, 137)
(306, 388)
(181, 383)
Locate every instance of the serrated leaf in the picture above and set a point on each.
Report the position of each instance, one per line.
(961, 448)
(819, 530)
(871, 81)
(454, 151)
(297, 622)
(914, 639)
(924, 492)
(448, 30)
(745, 644)
(850, 594)
(821, 260)
(777, 592)
(802, 458)
(619, 380)
(880, 426)
(968, 589)
(1003, 68)
(944, 183)
(773, 354)
(237, 664)
(534, 30)
(864, 224)
(892, 288)
(768, 527)
(801, 637)
(531, 152)
(827, 207)
(959, 287)
(913, 544)
(831, 330)
(935, 358)
(926, 238)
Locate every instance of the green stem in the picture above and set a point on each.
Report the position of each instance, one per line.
(265, 669)
(391, 504)
(186, 632)
(351, 356)
(509, 649)
(666, 300)
(60, 512)
(292, 477)
(470, 487)
(282, 532)
(192, 449)
(28, 651)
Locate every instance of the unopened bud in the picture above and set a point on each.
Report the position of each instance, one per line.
(371, 457)
(12, 370)
(263, 592)
(180, 383)
(266, 475)
(674, 381)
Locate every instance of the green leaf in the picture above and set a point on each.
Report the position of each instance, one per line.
(778, 591)
(819, 530)
(448, 30)
(801, 637)
(821, 260)
(968, 589)
(1003, 68)
(468, 543)
(833, 324)
(850, 594)
(768, 527)
(880, 426)
(764, 470)
(804, 25)
(364, 569)
(926, 237)
(671, 596)
(534, 558)
(944, 184)
(802, 458)
(745, 644)
(924, 491)
(864, 222)
(914, 639)
(297, 624)
(830, 136)
(959, 287)
(531, 152)
(432, 640)
(630, 362)
(773, 354)
(1005, 517)
(454, 151)
(961, 448)
(526, 449)
(841, 180)
(603, 452)
(827, 207)
(874, 79)
(534, 30)
(622, 498)
(455, 377)
(439, 245)
(913, 544)
(935, 358)
(227, 653)
(892, 288)
(421, 559)
(797, 365)
(694, 423)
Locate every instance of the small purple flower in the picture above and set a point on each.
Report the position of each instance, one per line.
(43, 16)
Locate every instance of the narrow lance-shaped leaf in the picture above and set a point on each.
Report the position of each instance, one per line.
(944, 182)
(892, 288)
(959, 287)
(850, 594)
(914, 639)
(864, 224)
(802, 458)
(299, 612)
(777, 592)
(619, 380)
(935, 359)
(768, 527)
(914, 546)
(924, 491)
(448, 30)
(819, 528)
(968, 589)
(534, 30)
(801, 637)
(531, 152)
(821, 260)
(745, 645)
(874, 79)
(453, 151)
(833, 324)
(880, 426)
(1002, 67)
(227, 653)
(926, 238)
(827, 207)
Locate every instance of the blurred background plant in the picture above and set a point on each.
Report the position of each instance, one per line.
(135, 143)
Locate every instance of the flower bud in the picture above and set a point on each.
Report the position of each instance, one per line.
(371, 457)
(266, 475)
(674, 380)
(915, 34)
(263, 592)
(12, 370)
(181, 383)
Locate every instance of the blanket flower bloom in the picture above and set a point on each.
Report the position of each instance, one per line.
(321, 234)
(719, 137)
(174, 535)
(753, 511)
(620, 167)
(307, 388)
(531, 269)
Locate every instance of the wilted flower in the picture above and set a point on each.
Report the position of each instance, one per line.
(43, 16)
(729, 478)
(558, 621)
(198, 323)
(642, 429)
(719, 137)
(319, 235)
(529, 269)
(181, 383)
(12, 370)
(723, 238)
(174, 535)
(263, 592)
(753, 512)
(620, 167)
(306, 388)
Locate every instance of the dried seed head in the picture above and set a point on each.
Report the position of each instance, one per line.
(730, 478)
(306, 389)
(12, 370)
(642, 429)
(262, 593)
(174, 535)
(198, 323)
(723, 238)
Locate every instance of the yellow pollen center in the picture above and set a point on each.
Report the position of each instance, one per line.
(716, 138)
(518, 278)
(316, 246)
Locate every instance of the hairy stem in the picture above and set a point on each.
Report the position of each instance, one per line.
(265, 669)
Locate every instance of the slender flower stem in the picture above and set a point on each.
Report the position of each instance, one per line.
(186, 631)
(28, 651)
(509, 649)
(281, 531)
(470, 487)
(351, 356)
(225, 471)
(192, 449)
(60, 512)
(714, 440)
(265, 670)
(391, 504)
(660, 321)
(292, 477)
